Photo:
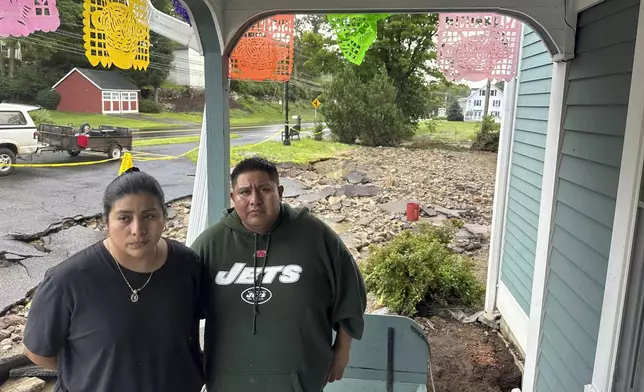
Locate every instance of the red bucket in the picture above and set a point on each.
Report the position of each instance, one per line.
(413, 212)
(82, 140)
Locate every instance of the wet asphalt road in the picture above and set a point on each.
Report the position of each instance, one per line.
(196, 131)
(31, 199)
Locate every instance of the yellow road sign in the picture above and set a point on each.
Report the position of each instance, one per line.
(316, 103)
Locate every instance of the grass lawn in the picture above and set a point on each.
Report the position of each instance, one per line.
(253, 113)
(65, 118)
(261, 112)
(171, 140)
(450, 131)
(300, 151)
(187, 117)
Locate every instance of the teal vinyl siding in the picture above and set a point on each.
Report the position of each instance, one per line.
(591, 151)
(526, 170)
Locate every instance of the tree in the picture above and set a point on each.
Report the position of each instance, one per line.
(405, 47)
(314, 53)
(454, 111)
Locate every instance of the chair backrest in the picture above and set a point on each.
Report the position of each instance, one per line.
(392, 356)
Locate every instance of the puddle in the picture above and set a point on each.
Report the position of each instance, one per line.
(336, 174)
(339, 228)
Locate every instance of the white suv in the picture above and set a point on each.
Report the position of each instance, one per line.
(18, 135)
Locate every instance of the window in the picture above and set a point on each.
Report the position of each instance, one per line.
(482, 93)
(496, 114)
(492, 93)
(477, 102)
(496, 103)
(12, 118)
(477, 113)
(111, 96)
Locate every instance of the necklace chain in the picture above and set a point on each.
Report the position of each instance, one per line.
(135, 292)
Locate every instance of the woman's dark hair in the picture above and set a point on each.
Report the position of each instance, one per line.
(131, 182)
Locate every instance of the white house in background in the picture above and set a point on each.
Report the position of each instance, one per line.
(474, 104)
(4, 47)
(187, 68)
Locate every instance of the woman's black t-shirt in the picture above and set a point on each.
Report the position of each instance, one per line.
(83, 315)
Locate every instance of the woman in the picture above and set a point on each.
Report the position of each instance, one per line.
(122, 315)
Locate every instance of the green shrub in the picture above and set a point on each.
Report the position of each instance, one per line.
(417, 266)
(487, 137)
(42, 116)
(149, 106)
(428, 126)
(48, 99)
(318, 132)
(365, 111)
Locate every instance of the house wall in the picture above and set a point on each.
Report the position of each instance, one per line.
(471, 108)
(594, 122)
(77, 94)
(187, 68)
(526, 170)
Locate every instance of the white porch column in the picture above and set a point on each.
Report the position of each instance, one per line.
(212, 181)
(628, 192)
(500, 196)
(198, 219)
(546, 215)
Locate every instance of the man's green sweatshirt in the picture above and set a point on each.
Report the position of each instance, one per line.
(274, 333)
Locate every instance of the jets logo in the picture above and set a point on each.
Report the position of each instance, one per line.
(263, 295)
(240, 274)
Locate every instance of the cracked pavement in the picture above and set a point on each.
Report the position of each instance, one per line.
(35, 201)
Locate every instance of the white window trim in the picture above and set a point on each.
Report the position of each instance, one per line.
(103, 100)
(626, 205)
(501, 187)
(495, 290)
(554, 137)
(513, 315)
(130, 100)
(120, 92)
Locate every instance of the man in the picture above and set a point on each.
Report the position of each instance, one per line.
(271, 330)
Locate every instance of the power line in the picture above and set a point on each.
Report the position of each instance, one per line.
(63, 46)
(59, 47)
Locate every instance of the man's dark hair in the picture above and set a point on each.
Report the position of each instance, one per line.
(255, 164)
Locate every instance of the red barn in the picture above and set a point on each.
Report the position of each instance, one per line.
(94, 91)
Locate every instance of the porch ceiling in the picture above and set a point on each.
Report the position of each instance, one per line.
(546, 17)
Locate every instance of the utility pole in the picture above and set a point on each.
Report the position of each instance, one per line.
(287, 139)
(487, 97)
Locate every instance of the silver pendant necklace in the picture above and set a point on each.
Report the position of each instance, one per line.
(135, 292)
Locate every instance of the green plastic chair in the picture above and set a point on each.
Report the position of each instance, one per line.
(392, 356)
